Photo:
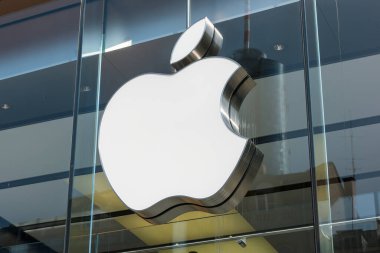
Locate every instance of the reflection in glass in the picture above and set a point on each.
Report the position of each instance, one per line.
(37, 72)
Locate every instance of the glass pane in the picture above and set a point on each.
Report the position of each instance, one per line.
(282, 186)
(87, 126)
(285, 241)
(349, 56)
(37, 75)
(125, 24)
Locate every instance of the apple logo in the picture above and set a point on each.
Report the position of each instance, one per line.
(170, 144)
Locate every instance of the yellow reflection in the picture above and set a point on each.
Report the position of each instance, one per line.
(104, 198)
(193, 229)
(254, 245)
(188, 226)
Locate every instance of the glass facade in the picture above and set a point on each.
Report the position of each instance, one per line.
(315, 113)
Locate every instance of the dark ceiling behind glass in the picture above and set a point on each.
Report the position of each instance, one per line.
(50, 83)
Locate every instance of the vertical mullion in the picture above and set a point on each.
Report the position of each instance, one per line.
(96, 123)
(74, 128)
(313, 179)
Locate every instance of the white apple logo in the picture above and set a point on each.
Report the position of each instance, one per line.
(162, 142)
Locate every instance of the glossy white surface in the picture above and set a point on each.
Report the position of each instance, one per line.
(163, 135)
(188, 41)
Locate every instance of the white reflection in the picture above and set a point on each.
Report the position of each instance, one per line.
(124, 44)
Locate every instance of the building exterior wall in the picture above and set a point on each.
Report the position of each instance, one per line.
(315, 110)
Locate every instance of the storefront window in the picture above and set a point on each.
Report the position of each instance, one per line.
(313, 114)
